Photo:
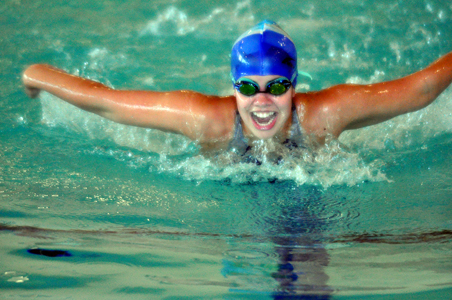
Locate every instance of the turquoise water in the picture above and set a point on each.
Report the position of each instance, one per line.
(142, 214)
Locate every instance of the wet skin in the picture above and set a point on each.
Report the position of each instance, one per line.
(210, 120)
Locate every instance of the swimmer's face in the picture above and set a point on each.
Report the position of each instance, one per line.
(265, 115)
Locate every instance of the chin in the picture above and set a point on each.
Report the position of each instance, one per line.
(265, 134)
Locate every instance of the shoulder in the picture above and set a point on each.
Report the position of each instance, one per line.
(207, 119)
(217, 118)
(319, 112)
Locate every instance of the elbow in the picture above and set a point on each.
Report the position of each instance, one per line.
(427, 94)
(430, 88)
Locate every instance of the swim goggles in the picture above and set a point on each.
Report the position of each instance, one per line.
(250, 88)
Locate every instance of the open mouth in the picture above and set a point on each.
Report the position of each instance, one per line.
(264, 120)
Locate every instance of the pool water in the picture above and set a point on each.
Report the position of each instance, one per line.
(95, 210)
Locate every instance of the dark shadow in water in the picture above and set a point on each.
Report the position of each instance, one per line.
(292, 220)
(298, 244)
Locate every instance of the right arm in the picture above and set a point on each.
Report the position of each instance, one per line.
(200, 117)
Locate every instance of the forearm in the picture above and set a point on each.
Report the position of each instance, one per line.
(364, 105)
(412, 92)
(84, 93)
(126, 107)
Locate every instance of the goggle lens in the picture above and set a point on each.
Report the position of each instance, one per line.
(247, 88)
(277, 88)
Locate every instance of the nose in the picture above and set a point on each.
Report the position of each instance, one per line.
(262, 99)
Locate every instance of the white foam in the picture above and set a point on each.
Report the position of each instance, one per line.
(327, 166)
(173, 21)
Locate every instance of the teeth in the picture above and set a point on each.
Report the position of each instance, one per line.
(263, 118)
(263, 115)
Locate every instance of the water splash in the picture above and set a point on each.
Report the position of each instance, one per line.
(175, 154)
(345, 162)
(173, 21)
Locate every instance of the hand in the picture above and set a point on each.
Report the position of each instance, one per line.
(32, 92)
(30, 88)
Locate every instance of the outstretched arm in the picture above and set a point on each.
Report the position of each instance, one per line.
(348, 106)
(197, 116)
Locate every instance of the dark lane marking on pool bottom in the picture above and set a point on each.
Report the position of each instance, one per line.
(143, 259)
(438, 236)
(49, 252)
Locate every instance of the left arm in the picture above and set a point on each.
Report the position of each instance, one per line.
(348, 106)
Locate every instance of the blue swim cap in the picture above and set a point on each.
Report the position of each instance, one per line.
(265, 49)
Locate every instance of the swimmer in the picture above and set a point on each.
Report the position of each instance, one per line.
(264, 105)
